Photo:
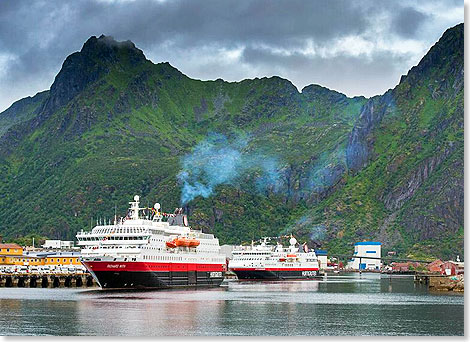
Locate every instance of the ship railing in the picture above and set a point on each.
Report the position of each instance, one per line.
(103, 250)
(114, 232)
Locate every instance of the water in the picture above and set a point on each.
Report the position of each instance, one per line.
(349, 304)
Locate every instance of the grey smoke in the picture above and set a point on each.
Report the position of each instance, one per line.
(217, 160)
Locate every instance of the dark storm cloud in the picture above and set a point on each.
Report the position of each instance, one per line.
(407, 21)
(36, 36)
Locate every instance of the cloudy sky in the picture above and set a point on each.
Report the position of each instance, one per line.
(356, 47)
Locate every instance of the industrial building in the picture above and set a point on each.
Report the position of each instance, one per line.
(365, 249)
(57, 244)
(322, 257)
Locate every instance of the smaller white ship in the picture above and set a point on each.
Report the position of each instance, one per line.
(274, 262)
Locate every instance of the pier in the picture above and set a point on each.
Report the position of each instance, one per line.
(46, 280)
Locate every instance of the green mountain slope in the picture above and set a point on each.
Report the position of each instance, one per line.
(405, 155)
(246, 159)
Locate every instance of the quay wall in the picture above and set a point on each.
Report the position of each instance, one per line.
(46, 280)
(439, 282)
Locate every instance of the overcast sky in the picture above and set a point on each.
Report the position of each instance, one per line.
(356, 47)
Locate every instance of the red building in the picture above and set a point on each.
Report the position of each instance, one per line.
(435, 266)
(452, 268)
(404, 266)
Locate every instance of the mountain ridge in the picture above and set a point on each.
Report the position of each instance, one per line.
(129, 114)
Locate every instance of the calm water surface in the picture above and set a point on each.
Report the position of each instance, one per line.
(349, 304)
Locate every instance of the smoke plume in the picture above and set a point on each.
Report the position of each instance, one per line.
(216, 160)
(315, 231)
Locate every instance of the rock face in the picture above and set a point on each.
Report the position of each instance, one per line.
(22, 110)
(114, 124)
(452, 283)
(409, 144)
(360, 145)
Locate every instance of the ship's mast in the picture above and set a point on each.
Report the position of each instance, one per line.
(134, 214)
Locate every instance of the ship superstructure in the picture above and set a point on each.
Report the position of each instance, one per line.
(274, 262)
(151, 249)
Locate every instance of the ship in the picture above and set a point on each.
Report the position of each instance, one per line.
(150, 249)
(266, 261)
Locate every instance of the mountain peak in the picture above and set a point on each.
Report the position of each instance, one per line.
(110, 49)
(315, 91)
(94, 60)
(446, 53)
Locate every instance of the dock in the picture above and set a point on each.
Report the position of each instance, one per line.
(54, 280)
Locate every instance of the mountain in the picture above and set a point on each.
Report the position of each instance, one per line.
(246, 159)
(405, 184)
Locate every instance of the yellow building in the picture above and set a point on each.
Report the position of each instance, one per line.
(13, 254)
(10, 249)
(62, 259)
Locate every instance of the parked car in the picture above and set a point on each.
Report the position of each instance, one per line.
(33, 269)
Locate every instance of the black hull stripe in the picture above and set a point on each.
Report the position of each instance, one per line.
(155, 280)
(275, 275)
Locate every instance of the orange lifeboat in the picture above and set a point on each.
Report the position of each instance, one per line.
(181, 242)
(186, 242)
(291, 256)
(171, 244)
(282, 259)
(194, 243)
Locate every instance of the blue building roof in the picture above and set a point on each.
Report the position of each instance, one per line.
(367, 243)
(321, 252)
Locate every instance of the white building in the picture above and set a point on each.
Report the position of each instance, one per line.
(227, 251)
(322, 257)
(57, 244)
(365, 249)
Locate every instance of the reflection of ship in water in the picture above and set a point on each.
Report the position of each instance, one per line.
(151, 249)
(274, 262)
(151, 313)
(281, 286)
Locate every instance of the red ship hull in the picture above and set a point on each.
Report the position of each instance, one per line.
(153, 275)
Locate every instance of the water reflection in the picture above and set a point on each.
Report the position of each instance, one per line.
(339, 305)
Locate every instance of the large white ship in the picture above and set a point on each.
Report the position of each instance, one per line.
(151, 249)
(274, 262)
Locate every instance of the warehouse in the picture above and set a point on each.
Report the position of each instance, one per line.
(365, 249)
